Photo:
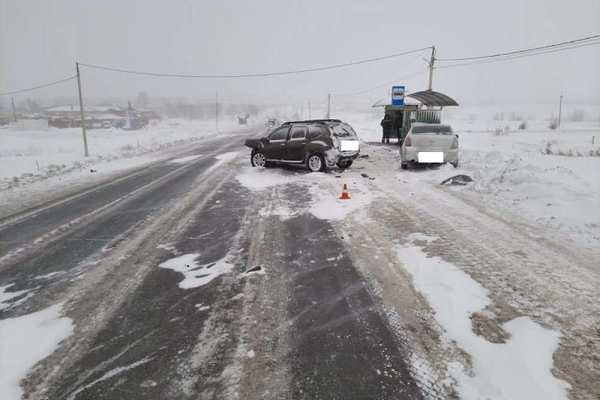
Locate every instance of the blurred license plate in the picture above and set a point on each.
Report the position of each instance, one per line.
(431, 157)
(349, 145)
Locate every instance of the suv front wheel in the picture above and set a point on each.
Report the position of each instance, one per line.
(315, 163)
(258, 159)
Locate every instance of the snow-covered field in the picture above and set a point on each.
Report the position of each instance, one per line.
(25, 155)
(38, 164)
(548, 176)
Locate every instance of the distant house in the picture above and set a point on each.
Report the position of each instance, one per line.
(68, 116)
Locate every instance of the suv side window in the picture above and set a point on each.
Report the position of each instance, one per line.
(279, 134)
(298, 133)
(314, 131)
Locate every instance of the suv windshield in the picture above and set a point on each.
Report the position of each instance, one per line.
(437, 129)
(342, 130)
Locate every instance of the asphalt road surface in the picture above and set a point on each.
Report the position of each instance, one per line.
(289, 317)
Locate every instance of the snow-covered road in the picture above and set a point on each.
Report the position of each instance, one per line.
(200, 276)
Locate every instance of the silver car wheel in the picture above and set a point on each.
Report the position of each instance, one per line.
(259, 159)
(314, 163)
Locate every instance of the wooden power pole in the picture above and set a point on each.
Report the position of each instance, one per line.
(431, 62)
(14, 109)
(217, 111)
(85, 144)
(559, 110)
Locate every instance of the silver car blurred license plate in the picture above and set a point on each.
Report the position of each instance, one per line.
(431, 156)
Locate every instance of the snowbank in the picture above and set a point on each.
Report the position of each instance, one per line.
(26, 340)
(516, 171)
(25, 155)
(518, 369)
(547, 176)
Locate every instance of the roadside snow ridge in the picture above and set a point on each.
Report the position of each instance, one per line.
(26, 340)
(517, 369)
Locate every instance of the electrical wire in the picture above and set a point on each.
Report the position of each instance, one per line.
(592, 40)
(514, 52)
(257, 75)
(38, 87)
(416, 73)
(518, 56)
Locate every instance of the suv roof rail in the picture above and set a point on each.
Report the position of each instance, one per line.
(309, 121)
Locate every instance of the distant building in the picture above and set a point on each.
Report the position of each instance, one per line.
(68, 116)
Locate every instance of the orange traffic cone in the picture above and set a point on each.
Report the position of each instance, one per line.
(345, 195)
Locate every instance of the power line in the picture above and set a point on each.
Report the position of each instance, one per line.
(38, 87)
(532, 49)
(416, 73)
(257, 75)
(592, 40)
(518, 56)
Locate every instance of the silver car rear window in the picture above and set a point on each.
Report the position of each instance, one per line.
(437, 129)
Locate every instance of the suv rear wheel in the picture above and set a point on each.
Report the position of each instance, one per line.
(315, 163)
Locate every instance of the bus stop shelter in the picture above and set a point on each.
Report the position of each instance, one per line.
(398, 119)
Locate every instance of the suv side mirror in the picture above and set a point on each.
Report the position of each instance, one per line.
(456, 134)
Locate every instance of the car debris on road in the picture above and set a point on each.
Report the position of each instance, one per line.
(457, 180)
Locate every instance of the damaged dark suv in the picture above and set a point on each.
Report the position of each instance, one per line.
(318, 144)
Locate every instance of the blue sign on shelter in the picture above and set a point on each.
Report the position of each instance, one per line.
(398, 95)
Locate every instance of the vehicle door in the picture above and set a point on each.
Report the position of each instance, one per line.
(274, 148)
(295, 149)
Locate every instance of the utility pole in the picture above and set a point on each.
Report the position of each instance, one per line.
(217, 111)
(309, 111)
(559, 110)
(85, 144)
(431, 62)
(14, 110)
(328, 105)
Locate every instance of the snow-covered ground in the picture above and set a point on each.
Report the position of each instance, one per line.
(507, 298)
(499, 370)
(548, 176)
(36, 164)
(24, 341)
(533, 294)
(27, 154)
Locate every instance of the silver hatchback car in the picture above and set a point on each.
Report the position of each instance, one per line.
(429, 143)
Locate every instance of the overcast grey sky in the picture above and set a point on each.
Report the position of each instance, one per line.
(40, 41)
